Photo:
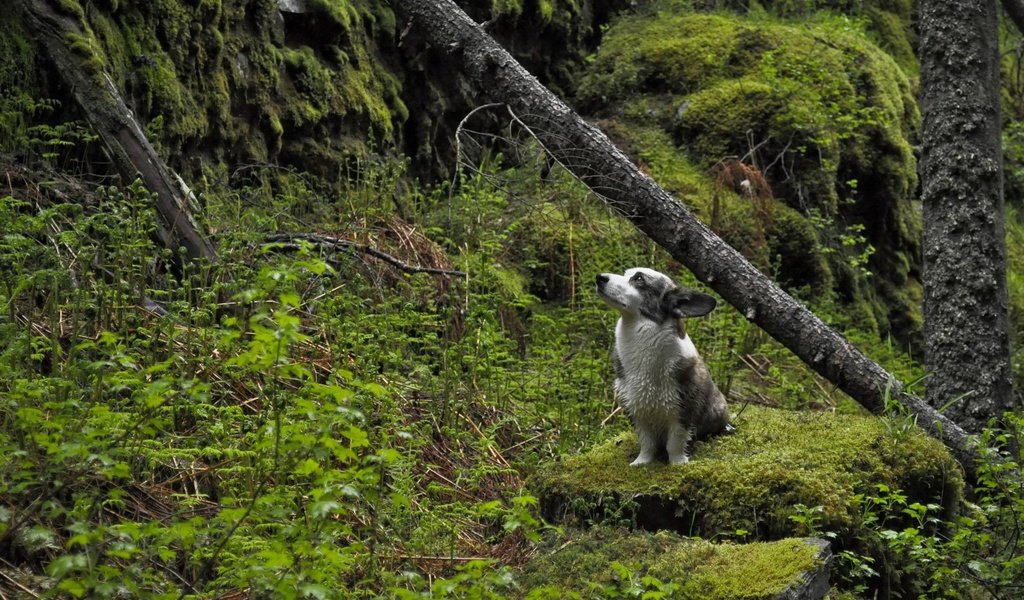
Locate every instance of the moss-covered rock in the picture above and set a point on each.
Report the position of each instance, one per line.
(888, 22)
(819, 109)
(752, 481)
(610, 563)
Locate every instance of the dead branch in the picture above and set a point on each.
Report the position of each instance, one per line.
(292, 241)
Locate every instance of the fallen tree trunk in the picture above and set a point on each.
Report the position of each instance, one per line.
(443, 28)
(133, 155)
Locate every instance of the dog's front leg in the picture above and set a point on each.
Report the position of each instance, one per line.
(648, 447)
(678, 438)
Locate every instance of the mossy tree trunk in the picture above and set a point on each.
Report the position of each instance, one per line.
(71, 50)
(438, 31)
(966, 329)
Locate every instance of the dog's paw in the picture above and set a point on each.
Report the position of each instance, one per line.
(679, 460)
(641, 461)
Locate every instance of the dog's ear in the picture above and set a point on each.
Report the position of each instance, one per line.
(682, 302)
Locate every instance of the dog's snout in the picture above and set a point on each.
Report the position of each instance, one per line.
(602, 279)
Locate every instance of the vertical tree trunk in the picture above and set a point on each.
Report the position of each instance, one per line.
(439, 31)
(966, 328)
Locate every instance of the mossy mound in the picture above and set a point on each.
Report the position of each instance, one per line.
(820, 110)
(613, 563)
(752, 481)
(889, 22)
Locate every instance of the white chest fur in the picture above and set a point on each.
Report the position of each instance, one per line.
(649, 354)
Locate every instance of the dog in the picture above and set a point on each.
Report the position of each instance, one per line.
(661, 382)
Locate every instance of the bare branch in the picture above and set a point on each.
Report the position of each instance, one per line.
(289, 240)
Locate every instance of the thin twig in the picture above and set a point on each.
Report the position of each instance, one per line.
(612, 414)
(14, 581)
(333, 242)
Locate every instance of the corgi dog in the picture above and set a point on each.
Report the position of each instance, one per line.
(661, 383)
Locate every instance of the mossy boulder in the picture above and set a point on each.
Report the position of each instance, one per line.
(749, 484)
(888, 22)
(819, 109)
(616, 562)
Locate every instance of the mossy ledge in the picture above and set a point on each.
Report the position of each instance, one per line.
(748, 484)
(601, 561)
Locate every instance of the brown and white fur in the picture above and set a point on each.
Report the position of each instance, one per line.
(661, 383)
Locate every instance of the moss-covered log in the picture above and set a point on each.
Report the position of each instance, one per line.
(69, 47)
(588, 153)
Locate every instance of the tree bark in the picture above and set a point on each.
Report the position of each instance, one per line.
(444, 33)
(133, 155)
(966, 330)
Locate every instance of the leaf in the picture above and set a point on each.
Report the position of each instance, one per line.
(312, 590)
(73, 587)
(376, 389)
(325, 508)
(308, 467)
(357, 438)
(400, 500)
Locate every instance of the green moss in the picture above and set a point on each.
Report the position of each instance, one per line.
(892, 29)
(72, 7)
(229, 84)
(1015, 279)
(798, 259)
(752, 480)
(713, 115)
(889, 22)
(601, 562)
(20, 90)
(512, 8)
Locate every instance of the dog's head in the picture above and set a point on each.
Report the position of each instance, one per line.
(653, 295)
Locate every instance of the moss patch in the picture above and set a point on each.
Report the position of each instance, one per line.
(18, 82)
(607, 563)
(1015, 278)
(753, 479)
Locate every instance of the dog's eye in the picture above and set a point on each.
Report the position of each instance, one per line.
(637, 278)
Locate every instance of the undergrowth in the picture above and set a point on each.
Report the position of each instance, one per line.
(299, 421)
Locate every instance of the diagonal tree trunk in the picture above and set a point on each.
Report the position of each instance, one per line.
(122, 135)
(450, 37)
